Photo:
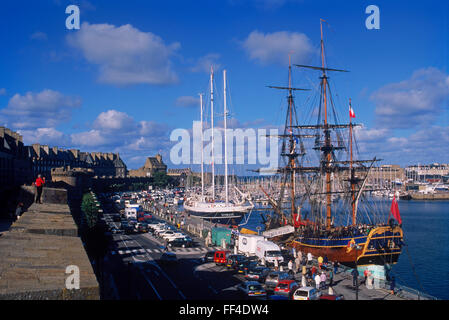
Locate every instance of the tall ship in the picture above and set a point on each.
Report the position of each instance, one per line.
(330, 208)
(209, 205)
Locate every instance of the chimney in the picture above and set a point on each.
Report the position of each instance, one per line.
(37, 149)
(159, 158)
(46, 149)
(75, 153)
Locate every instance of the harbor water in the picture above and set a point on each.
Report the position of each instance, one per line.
(424, 262)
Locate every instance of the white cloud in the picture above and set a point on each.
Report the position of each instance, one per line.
(126, 55)
(115, 129)
(49, 136)
(411, 103)
(45, 109)
(113, 120)
(275, 47)
(187, 102)
(204, 63)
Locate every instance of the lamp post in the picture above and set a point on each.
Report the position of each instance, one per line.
(357, 247)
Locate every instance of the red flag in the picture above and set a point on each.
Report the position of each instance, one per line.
(351, 112)
(395, 210)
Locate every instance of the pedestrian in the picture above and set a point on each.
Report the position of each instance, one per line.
(325, 261)
(355, 276)
(335, 267)
(166, 245)
(276, 264)
(323, 280)
(331, 277)
(331, 291)
(320, 262)
(309, 258)
(313, 270)
(317, 281)
(290, 265)
(392, 284)
(39, 183)
(303, 281)
(365, 274)
(297, 263)
(19, 211)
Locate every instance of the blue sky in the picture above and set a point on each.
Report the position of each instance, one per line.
(132, 73)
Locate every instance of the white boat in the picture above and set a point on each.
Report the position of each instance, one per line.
(217, 211)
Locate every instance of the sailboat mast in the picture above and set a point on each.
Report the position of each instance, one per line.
(292, 146)
(202, 147)
(225, 137)
(351, 169)
(327, 137)
(212, 125)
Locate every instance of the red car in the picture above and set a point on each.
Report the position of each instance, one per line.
(332, 297)
(221, 257)
(286, 288)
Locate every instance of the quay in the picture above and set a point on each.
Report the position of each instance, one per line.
(342, 281)
(36, 251)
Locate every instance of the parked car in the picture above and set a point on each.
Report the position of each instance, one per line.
(179, 242)
(245, 266)
(332, 297)
(274, 277)
(129, 229)
(286, 288)
(234, 260)
(209, 256)
(258, 273)
(168, 258)
(220, 257)
(252, 289)
(115, 230)
(142, 227)
(306, 293)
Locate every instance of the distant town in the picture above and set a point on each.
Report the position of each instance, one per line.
(20, 164)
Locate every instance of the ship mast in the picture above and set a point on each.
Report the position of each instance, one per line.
(292, 140)
(351, 170)
(202, 148)
(212, 125)
(327, 137)
(225, 137)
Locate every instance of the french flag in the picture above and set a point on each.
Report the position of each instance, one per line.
(351, 112)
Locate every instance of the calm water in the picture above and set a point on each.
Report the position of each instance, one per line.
(426, 232)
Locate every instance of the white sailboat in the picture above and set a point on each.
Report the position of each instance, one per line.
(227, 211)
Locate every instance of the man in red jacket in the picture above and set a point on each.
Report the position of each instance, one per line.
(39, 185)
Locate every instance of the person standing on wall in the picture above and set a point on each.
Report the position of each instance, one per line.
(39, 183)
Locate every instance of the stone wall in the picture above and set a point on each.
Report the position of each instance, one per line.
(38, 248)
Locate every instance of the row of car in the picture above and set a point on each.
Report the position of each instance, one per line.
(171, 235)
(260, 279)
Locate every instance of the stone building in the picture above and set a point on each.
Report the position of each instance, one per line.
(152, 165)
(15, 166)
(44, 159)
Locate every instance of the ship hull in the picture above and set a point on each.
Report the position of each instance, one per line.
(228, 218)
(381, 246)
(218, 213)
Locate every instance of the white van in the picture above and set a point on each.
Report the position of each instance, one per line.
(248, 242)
(131, 212)
(268, 250)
